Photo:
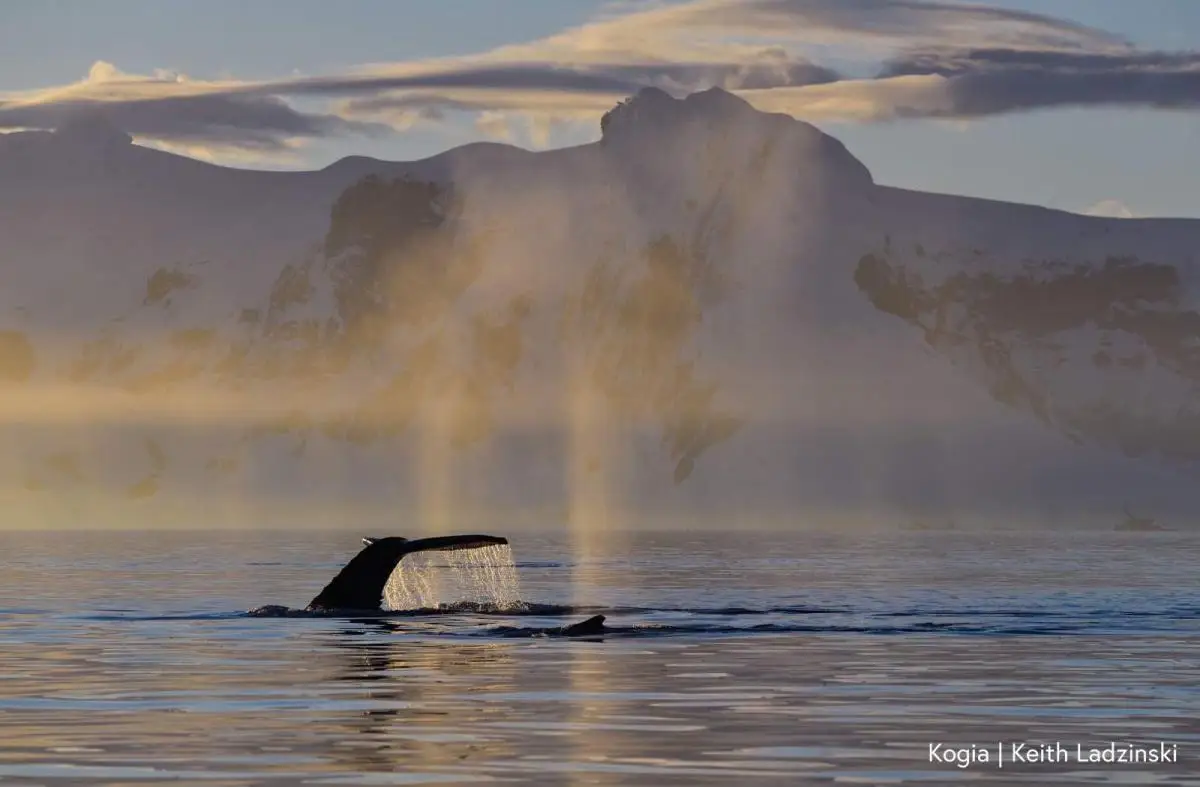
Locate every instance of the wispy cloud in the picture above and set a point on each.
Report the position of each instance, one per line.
(769, 51)
(171, 109)
(1110, 208)
(996, 81)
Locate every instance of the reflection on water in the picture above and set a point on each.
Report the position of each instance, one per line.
(784, 659)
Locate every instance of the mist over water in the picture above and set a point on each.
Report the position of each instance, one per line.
(428, 580)
(700, 319)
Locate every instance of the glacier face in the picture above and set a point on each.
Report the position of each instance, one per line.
(711, 315)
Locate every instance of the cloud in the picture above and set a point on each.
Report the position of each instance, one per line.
(177, 111)
(1111, 208)
(996, 81)
(250, 122)
(862, 23)
(768, 51)
(494, 125)
(860, 100)
(171, 109)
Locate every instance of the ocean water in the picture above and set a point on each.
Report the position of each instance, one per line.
(740, 658)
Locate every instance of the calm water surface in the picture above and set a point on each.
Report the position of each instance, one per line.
(799, 659)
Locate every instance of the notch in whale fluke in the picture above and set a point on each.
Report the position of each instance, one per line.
(359, 585)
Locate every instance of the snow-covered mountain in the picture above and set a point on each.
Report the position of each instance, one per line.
(712, 315)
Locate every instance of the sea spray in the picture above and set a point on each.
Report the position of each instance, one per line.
(484, 575)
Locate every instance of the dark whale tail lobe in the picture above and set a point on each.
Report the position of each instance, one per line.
(360, 583)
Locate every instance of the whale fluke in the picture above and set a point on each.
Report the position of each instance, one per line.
(359, 585)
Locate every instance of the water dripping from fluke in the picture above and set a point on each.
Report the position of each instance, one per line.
(485, 575)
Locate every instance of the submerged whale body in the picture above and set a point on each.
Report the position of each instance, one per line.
(358, 588)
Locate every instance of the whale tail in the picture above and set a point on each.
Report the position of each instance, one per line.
(359, 585)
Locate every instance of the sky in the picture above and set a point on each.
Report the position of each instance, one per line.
(1084, 105)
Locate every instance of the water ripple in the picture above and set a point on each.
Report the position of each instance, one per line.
(726, 661)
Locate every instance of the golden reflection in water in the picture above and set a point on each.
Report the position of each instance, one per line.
(430, 694)
(589, 676)
(593, 511)
(591, 497)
